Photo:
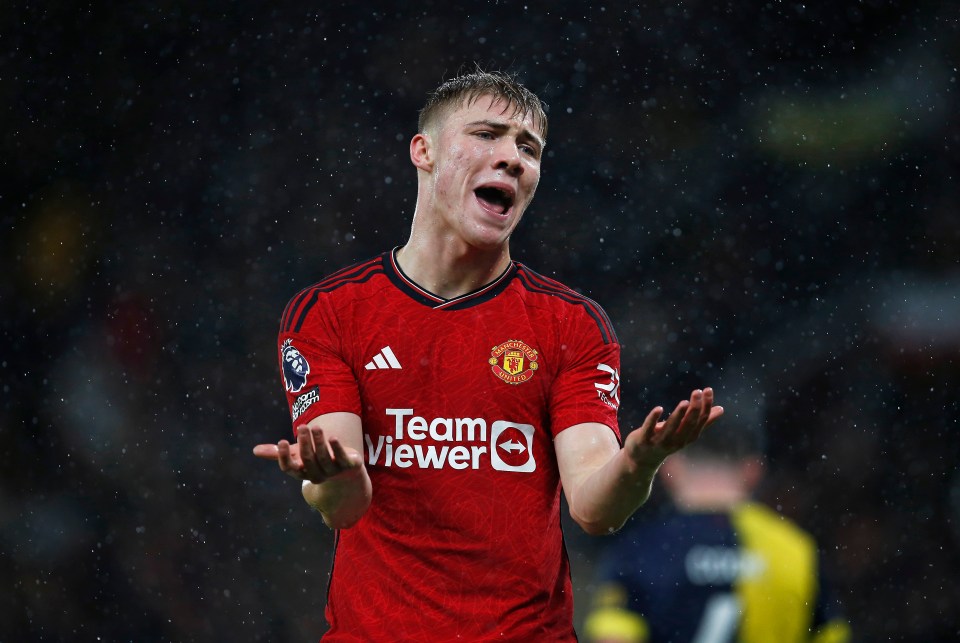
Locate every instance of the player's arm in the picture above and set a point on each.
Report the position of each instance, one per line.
(605, 484)
(328, 458)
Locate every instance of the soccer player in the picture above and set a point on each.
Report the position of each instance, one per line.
(441, 394)
(718, 567)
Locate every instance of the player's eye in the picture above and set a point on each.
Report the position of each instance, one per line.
(530, 150)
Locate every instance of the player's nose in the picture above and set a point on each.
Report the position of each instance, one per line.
(506, 156)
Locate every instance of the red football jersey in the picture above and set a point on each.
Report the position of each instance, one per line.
(460, 401)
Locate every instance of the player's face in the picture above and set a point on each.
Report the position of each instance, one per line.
(487, 167)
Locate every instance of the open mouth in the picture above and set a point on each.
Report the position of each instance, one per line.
(494, 199)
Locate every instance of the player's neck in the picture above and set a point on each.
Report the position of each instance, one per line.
(450, 268)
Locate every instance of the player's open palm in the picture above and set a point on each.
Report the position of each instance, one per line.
(655, 439)
(312, 457)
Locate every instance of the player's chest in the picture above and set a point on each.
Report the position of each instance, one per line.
(474, 358)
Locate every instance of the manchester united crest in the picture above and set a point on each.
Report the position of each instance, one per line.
(513, 361)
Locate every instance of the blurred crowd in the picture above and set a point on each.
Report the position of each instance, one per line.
(763, 196)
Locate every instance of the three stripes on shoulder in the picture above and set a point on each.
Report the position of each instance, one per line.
(383, 359)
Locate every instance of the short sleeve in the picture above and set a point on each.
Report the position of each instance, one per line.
(587, 386)
(315, 375)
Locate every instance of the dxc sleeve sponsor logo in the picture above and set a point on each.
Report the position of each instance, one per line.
(609, 390)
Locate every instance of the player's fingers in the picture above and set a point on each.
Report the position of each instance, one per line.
(645, 434)
(672, 423)
(712, 416)
(642, 437)
(701, 425)
(313, 468)
(690, 422)
(324, 457)
(706, 405)
(309, 454)
(650, 423)
(266, 451)
(341, 458)
(285, 457)
(306, 442)
(715, 414)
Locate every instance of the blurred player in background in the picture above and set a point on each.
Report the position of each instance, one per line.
(719, 568)
(441, 393)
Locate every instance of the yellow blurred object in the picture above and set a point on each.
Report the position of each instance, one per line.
(55, 246)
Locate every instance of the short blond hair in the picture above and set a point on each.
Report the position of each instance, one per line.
(469, 88)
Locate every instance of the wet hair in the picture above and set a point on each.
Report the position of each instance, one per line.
(468, 88)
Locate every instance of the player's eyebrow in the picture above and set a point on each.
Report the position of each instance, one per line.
(500, 126)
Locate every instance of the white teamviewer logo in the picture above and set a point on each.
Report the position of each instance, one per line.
(470, 441)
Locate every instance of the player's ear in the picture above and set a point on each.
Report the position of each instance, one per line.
(421, 152)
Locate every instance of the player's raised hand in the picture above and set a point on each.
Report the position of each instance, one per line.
(312, 457)
(655, 439)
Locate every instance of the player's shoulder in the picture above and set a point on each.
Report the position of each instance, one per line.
(538, 282)
(560, 296)
(339, 284)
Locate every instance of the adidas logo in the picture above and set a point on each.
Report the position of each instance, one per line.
(384, 359)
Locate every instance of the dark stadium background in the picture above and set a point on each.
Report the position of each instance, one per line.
(763, 195)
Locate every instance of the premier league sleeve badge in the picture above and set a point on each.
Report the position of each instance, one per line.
(295, 367)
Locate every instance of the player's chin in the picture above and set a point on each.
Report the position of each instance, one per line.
(489, 243)
(496, 231)
(487, 235)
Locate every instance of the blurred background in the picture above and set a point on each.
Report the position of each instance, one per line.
(763, 196)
